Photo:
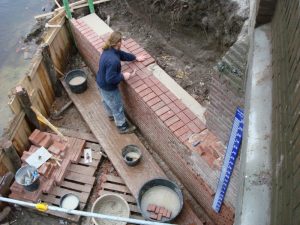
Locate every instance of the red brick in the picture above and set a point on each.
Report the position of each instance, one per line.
(199, 124)
(32, 149)
(54, 150)
(181, 131)
(161, 210)
(134, 47)
(142, 74)
(165, 213)
(171, 121)
(185, 136)
(127, 41)
(46, 142)
(162, 87)
(167, 115)
(133, 66)
(174, 108)
(179, 104)
(139, 65)
(149, 96)
(141, 88)
(36, 137)
(149, 61)
(171, 96)
(190, 114)
(144, 92)
(43, 169)
(165, 98)
(183, 117)
(193, 127)
(60, 145)
(153, 101)
(159, 216)
(169, 215)
(157, 209)
(155, 80)
(177, 125)
(158, 105)
(151, 208)
(25, 156)
(156, 90)
(162, 110)
(129, 44)
(137, 51)
(148, 81)
(133, 79)
(137, 84)
(153, 216)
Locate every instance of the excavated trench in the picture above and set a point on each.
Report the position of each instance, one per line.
(187, 38)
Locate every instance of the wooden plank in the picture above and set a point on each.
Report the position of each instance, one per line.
(94, 163)
(79, 178)
(114, 179)
(58, 191)
(91, 109)
(78, 187)
(78, 134)
(116, 187)
(85, 170)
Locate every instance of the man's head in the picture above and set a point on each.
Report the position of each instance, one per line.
(114, 41)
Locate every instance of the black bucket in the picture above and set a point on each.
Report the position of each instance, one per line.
(136, 155)
(77, 81)
(150, 186)
(24, 171)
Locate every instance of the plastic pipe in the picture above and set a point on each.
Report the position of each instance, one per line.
(44, 207)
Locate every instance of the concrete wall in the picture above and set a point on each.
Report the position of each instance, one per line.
(167, 123)
(286, 113)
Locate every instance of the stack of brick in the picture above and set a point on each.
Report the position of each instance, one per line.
(183, 138)
(158, 213)
(64, 152)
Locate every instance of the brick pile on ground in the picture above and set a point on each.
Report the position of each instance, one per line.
(65, 151)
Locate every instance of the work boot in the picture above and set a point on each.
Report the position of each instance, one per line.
(126, 128)
(111, 118)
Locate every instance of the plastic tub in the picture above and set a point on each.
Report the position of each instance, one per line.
(163, 193)
(77, 81)
(113, 205)
(30, 174)
(131, 155)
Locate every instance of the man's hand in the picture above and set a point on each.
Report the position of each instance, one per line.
(141, 58)
(127, 75)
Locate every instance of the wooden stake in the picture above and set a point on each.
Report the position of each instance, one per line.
(26, 104)
(12, 154)
(56, 85)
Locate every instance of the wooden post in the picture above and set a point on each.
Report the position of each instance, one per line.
(26, 104)
(6, 161)
(57, 87)
(12, 154)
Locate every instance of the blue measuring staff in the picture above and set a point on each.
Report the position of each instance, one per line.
(229, 160)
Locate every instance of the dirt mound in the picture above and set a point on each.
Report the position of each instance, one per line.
(187, 38)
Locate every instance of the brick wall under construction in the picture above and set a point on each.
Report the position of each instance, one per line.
(286, 113)
(165, 122)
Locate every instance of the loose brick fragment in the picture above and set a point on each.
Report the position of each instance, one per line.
(159, 217)
(60, 145)
(36, 137)
(54, 150)
(151, 208)
(161, 210)
(157, 209)
(169, 214)
(46, 142)
(153, 216)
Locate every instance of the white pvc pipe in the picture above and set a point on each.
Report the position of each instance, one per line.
(82, 213)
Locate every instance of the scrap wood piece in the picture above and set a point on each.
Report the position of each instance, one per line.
(78, 134)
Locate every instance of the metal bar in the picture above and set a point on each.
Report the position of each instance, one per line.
(91, 6)
(82, 213)
(67, 9)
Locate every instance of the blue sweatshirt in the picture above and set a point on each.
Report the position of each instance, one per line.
(109, 74)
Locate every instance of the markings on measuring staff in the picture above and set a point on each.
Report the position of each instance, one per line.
(229, 160)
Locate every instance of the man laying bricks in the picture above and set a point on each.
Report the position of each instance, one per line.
(109, 76)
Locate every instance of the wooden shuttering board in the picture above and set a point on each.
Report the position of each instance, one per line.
(90, 107)
(79, 181)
